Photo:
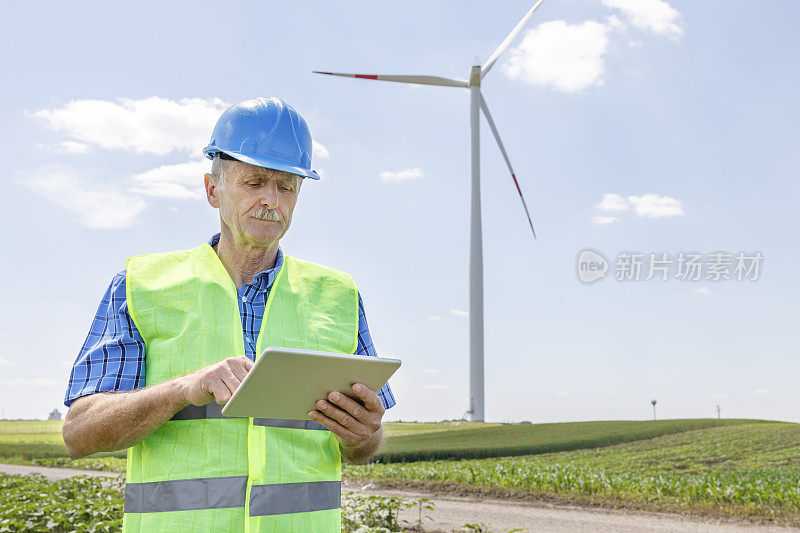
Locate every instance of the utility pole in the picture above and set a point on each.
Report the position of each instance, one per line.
(654, 408)
(718, 417)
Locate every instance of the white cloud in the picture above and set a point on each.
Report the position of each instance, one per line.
(763, 392)
(429, 371)
(65, 147)
(613, 202)
(37, 382)
(439, 386)
(601, 220)
(567, 57)
(719, 396)
(319, 151)
(151, 125)
(403, 175)
(96, 205)
(8, 364)
(655, 16)
(183, 181)
(433, 318)
(655, 206)
(459, 312)
(563, 394)
(703, 290)
(613, 22)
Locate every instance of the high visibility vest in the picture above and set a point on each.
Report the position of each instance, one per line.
(201, 471)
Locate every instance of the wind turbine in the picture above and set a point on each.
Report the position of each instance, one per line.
(476, 103)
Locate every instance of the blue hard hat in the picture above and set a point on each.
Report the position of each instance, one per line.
(266, 132)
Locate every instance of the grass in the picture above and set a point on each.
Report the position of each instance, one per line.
(79, 504)
(750, 470)
(23, 441)
(400, 429)
(745, 468)
(501, 440)
(91, 505)
(108, 464)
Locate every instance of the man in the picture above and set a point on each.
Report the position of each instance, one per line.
(177, 330)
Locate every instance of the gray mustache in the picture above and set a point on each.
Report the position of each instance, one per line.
(267, 214)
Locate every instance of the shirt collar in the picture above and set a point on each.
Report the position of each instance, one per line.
(265, 278)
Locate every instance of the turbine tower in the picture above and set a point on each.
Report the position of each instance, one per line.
(476, 104)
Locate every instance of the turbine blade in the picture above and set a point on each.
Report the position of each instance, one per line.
(418, 80)
(508, 162)
(502, 48)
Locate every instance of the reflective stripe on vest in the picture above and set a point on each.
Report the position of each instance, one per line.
(285, 498)
(225, 492)
(214, 410)
(185, 494)
(187, 476)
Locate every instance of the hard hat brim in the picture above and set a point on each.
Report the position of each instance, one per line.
(266, 162)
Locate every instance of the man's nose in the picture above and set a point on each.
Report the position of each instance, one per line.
(269, 195)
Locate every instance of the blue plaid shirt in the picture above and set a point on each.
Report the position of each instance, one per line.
(112, 357)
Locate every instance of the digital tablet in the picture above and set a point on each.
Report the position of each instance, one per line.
(286, 382)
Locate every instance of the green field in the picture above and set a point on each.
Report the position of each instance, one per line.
(91, 505)
(400, 429)
(746, 468)
(21, 441)
(409, 441)
(502, 440)
(79, 504)
(743, 469)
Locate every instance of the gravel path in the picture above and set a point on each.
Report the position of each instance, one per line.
(501, 515)
(54, 474)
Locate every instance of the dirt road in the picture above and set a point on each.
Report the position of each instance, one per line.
(452, 512)
(53, 474)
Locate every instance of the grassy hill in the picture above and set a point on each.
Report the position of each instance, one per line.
(22, 440)
(410, 441)
(500, 440)
(746, 470)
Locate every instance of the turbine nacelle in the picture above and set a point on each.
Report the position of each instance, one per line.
(475, 76)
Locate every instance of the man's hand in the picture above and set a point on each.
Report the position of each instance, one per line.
(113, 421)
(215, 382)
(356, 425)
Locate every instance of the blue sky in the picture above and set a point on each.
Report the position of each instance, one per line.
(633, 125)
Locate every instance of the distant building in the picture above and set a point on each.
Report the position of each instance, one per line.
(54, 415)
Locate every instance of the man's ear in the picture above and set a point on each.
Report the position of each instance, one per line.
(210, 182)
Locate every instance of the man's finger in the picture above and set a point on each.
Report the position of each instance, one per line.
(344, 418)
(335, 427)
(350, 405)
(220, 391)
(238, 368)
(230, 379)
(369, 397)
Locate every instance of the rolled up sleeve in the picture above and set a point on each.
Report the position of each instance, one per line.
(365, 347)
(112, 356)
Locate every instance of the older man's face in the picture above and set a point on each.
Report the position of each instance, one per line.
(255, 203)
